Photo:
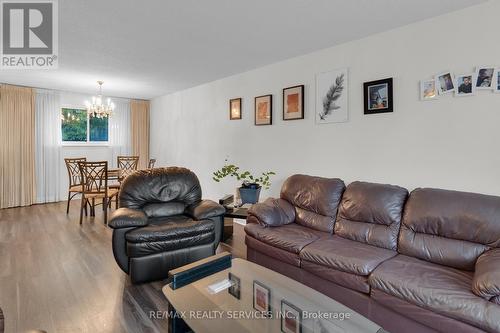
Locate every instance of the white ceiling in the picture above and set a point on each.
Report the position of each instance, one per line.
(144, 49)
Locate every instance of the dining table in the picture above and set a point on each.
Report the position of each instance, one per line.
(113, 174)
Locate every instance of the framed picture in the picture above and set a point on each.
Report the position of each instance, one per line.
(497, 80)
(332, 97)
(235, 108)
(484, 77)
(445, 83)
(378, 96)
(291, 318)
(428, 90)
(293, 103)
(261, 298)
(465, 85)
(235, 288)
(264, 110)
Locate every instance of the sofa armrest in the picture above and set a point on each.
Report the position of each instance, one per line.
(486, 281)
(205, 209)
(127, 218)
(272, 212)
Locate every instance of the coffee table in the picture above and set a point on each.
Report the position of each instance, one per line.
(207, 312)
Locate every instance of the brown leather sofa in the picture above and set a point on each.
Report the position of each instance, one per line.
(428, 261)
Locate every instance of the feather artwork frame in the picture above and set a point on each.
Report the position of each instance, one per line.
(332, 96)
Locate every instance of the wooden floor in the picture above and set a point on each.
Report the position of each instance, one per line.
(58, 276)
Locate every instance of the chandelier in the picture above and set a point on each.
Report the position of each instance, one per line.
(97, 108)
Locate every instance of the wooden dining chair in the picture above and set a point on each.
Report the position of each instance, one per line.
(151, 163)
(126, 166)
(75, 183)
(94, 181)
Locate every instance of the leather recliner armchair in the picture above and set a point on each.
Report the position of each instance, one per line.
(163, 223)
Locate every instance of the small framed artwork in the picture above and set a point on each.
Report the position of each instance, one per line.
(235, 109)
(332, 96)
(445, 83)
(291, 318)
(293, 103)
(234, 290)
(264, 110)
(378, 96)
(465, 85)
(261, 298)
(497, 80)
(484, 77)
(428, 90)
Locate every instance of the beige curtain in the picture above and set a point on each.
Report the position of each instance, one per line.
(17, 146)
(139, 118)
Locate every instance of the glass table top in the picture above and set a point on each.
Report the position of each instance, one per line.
(251, 298)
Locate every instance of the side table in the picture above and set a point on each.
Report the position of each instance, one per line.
(229, 216)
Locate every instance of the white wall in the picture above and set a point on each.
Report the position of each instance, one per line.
(449, 143)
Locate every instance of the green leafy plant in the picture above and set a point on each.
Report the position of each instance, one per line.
(248, 179)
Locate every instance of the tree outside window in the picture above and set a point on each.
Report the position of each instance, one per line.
(78, 126)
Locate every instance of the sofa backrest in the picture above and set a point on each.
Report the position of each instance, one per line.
(371, 213)
(448, 227)
(315, 199)
(172, 184)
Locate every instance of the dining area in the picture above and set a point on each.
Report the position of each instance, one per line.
(97, 183)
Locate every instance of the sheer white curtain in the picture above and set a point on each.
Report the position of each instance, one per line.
(47, 146)
(119, 130)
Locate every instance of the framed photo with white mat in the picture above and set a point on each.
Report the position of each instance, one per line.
(484, 77)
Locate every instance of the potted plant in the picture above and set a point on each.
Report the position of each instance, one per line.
(251, 185)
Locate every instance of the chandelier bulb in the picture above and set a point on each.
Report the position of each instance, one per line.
(98, 109)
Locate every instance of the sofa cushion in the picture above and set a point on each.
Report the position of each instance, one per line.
(371, 213)
(169, 234)
(345, 255)
(449, 227)
(437, 288)
(272, 251)
(348, 280)
(291, 237)
(314, 220)
(316, 199)
(164, 209)
(174, 227)
(205, 209)
(426, 317)
(486, 281)
(273, 212)
(160, 185)
(127, 218)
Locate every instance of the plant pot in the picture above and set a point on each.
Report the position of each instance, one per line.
(249, 195)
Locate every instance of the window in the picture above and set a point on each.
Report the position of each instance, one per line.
(98, 128)
(78, 127)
